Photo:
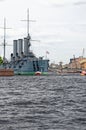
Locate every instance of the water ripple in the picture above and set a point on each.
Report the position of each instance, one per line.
(43, 103)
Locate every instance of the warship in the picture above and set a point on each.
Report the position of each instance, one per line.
(23, 61)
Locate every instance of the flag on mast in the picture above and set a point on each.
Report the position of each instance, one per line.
(47, 52)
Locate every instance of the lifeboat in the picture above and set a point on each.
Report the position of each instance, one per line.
(38, 73)
(83, 73)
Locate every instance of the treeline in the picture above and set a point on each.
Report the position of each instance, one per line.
(1, 60)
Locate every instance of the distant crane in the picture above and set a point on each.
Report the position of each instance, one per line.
(83, 53)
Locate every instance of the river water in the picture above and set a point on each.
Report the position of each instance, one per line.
(43, 103)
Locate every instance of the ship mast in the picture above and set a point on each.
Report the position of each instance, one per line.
(28, 20)
(4, 44)
(28, 27)
(4, 41)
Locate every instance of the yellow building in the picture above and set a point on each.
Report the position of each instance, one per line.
(83, 63)
(78, 63)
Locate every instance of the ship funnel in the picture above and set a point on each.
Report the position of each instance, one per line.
(20, 46)
(14, 47)
(25, 46)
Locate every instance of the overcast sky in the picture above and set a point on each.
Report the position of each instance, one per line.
(60, 26)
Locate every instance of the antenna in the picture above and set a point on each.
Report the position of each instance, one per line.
(4, 44)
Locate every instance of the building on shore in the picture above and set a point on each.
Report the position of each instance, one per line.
(75, 65)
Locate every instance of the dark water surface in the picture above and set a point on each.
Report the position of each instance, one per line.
(43, 103)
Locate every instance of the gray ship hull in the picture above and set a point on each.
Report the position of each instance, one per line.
(27, 66)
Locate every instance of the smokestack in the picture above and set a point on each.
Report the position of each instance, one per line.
(14, 47)
(25, 46)
(20, 46)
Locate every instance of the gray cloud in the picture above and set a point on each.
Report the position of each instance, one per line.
(80, 3)
(58, 5)
(70, 4)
